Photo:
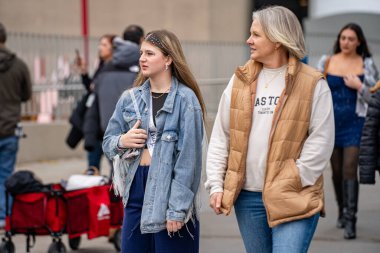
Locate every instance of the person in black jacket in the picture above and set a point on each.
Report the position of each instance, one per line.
(15, 88)
(119, 74)
(369, 157)
(85, 118)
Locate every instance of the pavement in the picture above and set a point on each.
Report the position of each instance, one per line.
(220, 234)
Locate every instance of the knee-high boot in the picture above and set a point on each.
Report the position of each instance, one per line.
(350, 193)
(338, 188)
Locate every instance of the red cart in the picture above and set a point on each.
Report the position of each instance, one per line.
(92, 211)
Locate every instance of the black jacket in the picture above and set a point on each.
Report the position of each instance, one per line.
(91, 126)
(369, 157)
(85, 124)
(85, 118)
(15, 87)
(76, 120)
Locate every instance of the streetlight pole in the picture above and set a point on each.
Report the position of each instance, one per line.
(84, 8)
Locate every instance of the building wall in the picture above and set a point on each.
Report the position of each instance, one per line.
(321, 33)
(322, 8)
(41, 16)
(196, 20)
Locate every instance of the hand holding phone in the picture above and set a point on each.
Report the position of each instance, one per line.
(79, 62)
(78, 59)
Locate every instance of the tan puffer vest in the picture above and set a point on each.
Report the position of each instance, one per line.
(284, 198)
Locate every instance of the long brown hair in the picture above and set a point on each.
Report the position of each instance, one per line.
(170, 46)
(362, 49)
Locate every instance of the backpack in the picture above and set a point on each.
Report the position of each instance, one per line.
(22, 182)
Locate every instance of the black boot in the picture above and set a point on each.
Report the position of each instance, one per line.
(338, 188)
(351, 191)
(341, 222)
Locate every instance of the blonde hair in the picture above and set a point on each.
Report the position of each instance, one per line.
(170, 46)
(281, 25)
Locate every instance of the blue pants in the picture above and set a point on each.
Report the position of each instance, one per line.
(294, 236)
(8, 151)
(94, 156)
(133, 241)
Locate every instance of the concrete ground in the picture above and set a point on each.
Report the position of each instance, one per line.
(220, 234)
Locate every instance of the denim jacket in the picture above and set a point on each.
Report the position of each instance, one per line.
(175, 170)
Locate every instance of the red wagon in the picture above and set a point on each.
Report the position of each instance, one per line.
(92, 211)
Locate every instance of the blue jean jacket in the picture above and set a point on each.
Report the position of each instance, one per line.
(175, 170)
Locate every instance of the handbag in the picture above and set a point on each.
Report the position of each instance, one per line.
(132, 152)
(122, 162)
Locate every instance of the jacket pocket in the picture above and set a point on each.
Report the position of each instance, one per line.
(295, 173)
(287, 180)
(168, 149)
(284, 195)
(130, 118)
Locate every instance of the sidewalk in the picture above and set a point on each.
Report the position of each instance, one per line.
(220, 234)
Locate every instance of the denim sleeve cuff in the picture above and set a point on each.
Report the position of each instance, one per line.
(119, 145)
(180, 201)
(175, 216)
(117, 150)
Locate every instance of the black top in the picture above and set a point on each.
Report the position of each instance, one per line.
(158, 100)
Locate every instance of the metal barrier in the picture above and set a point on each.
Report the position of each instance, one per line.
(57, 87)
(52, 102)
(56, 102)
(51, 57)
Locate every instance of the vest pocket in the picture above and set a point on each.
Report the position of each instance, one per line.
(284, 195)
(288, 178)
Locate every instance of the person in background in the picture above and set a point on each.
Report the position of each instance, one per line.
(272, 139)
(119, 74)
(350, 73)
(369, 155)
(15, 88)
(87, 119)
(161, 121)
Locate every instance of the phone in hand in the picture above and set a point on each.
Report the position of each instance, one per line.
(78, 58)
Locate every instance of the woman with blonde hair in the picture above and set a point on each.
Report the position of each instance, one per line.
(272, 139)
(155, 139)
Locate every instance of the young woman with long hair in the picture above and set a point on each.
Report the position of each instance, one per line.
(156, 135)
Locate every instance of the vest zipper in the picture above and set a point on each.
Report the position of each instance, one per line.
(274, 125)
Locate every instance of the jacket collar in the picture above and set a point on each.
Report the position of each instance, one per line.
(169, 102)
(251, 70)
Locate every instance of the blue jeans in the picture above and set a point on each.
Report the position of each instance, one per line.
(294, 236)
(133, 241)
(8, 152)
(94, 156)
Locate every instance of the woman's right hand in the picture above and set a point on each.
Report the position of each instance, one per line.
(216, 202)
(353, 82)
(134, 138)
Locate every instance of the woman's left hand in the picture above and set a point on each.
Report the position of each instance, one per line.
(173, 226)
(352, 81)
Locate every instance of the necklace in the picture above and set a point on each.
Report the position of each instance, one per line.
(273, 77)
(156, 97)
